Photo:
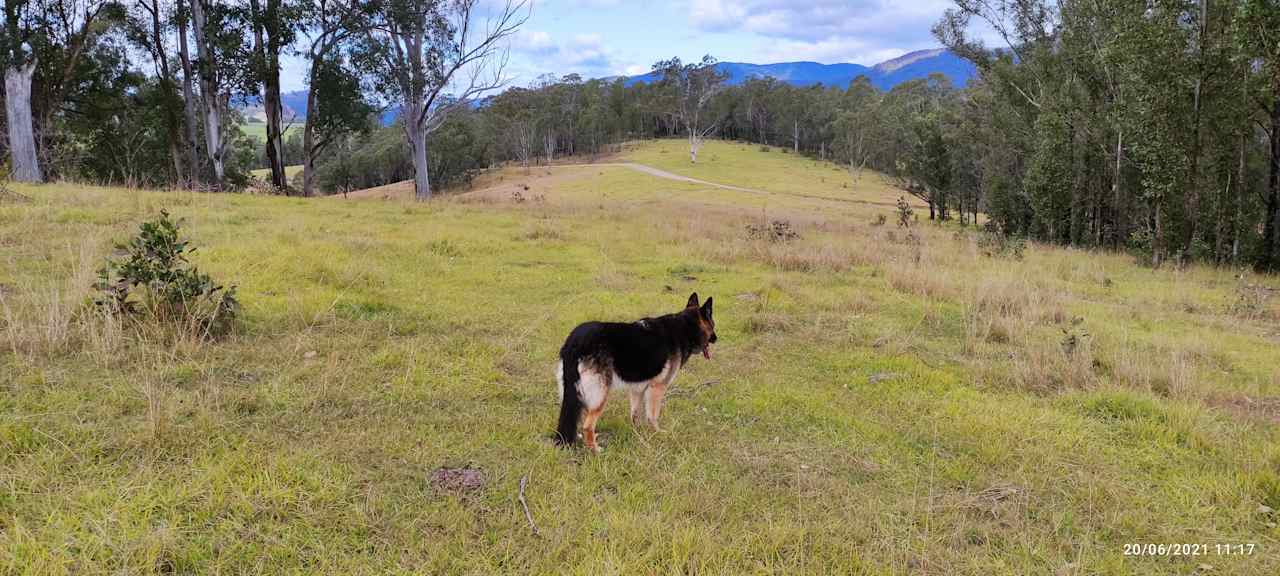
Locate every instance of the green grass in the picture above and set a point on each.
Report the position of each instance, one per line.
(259, 130)
(289, 172)
(876, 404)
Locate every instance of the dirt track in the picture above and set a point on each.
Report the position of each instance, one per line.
(404, 190)
(672, 176)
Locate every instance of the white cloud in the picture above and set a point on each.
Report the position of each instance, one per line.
(716, 15)
(864, 31)
(533, 41)
(585, 54)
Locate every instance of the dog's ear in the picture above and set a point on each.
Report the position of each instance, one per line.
(706, 308)
(693, 301)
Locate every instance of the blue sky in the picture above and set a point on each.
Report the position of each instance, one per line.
(597, 38)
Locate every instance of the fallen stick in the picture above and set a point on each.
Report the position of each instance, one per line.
(692, 389)
(527, 516)
(14, 195)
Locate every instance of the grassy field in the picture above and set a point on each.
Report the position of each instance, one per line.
(289, 172)
(259, 129)
(880, 402)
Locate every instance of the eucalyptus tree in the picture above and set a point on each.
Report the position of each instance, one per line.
(275, 25)
(691, 86)
(149, 27)
(1259, 40)
(222, 67)
(49, 37)
(336, 104)
(20, 62)
(855, 124)
(190, 104)
(436, 57)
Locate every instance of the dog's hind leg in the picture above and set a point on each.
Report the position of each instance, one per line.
(589, 430)
(595, 390)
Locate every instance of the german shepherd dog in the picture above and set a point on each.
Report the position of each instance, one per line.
(641, 356)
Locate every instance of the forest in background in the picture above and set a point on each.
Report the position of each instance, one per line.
(1151, 126)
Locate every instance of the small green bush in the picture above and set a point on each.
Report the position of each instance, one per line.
(905, 213)
(1142, 246)
(154, 279)
(995, 244)
(775, 231)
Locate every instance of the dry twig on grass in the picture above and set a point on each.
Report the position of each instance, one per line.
(527, 516)
(7, 195)
(690, 390)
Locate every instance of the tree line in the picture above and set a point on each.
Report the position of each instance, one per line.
(1149, 126)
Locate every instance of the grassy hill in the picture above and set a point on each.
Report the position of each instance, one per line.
(880, 402)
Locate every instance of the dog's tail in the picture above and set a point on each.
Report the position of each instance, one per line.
(571, 403)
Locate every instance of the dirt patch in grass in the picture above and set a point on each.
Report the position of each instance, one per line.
(457, 480)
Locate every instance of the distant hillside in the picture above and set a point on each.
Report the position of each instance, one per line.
(884, 75)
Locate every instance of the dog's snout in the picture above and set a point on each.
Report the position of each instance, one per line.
(713, 338)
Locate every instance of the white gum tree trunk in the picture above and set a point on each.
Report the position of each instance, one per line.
(22, 140)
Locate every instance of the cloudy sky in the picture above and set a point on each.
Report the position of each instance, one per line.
(606, 37)
(598, 38)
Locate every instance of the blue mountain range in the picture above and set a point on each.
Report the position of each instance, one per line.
(884, 76)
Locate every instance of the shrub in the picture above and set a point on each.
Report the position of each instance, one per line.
(996, 245)
(905, 213)
(156, 280)
(775, 231)
(1142, 246)
(1252, 300)
(1073, 338)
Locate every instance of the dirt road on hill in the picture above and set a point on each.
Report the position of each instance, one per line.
(650, 170)
(544, 178)
(405, 189)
